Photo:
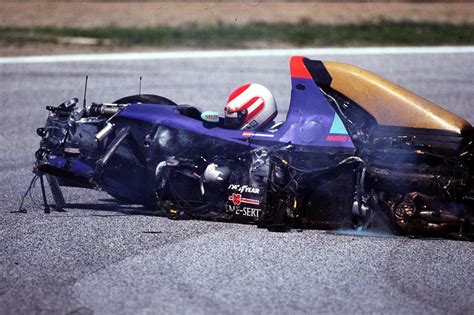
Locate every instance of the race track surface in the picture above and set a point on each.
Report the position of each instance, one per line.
(96, 258)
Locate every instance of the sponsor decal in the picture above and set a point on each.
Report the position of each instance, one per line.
(252, 124)
(268, 135)
(244, 188)
(210, 116)
(248, 134)
(338, 138)
(237, 200)
(337, 126)
(245, 211)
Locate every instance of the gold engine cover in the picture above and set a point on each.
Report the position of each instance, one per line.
(390, 104)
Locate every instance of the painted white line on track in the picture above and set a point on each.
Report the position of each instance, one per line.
(239, 53)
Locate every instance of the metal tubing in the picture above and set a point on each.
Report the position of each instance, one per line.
(43, 191)
(100, 164)
(114, 145)
(104, 132)
(56, 191)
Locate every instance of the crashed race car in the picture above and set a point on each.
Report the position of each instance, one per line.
(355, 150)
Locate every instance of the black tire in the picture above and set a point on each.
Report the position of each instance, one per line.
(145, 98)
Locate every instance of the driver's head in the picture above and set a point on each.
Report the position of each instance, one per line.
(250, 106)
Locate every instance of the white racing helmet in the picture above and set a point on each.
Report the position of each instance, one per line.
(250, 106)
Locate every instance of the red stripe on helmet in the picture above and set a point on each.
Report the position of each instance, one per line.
(237, 92)
(298, 69)
(250, 103)
(246, 105)
(255, 112)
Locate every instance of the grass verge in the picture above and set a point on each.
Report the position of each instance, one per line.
(242, 36)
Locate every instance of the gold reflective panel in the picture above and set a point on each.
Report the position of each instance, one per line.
(390, 104)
